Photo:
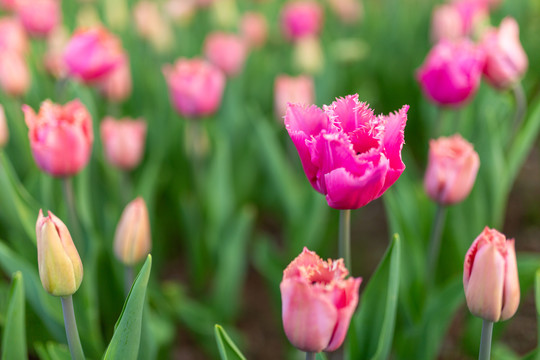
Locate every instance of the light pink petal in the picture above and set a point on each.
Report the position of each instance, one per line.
(350, 114)
(511, 283)
(307, 119)
(306, 258)
(345, 313)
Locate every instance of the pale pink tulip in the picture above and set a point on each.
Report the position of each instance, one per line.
(132, 239)
(117, 85)
(254, 29)
(451, 171)
(458, 19)
(39, 17)
(195, 86)
(12, 36)
(4, 132)
(290, 89)
(506, 61)
(317, 302)
(60, 137)
(152, 25)
(348, 154)
(14, 74)
(348, 11)
(490, 277)
(227, 51)
(123, 141)
(53, 58)
(301, 18)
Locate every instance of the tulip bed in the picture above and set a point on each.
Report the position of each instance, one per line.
(171, 180)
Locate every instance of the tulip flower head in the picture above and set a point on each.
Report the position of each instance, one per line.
(117, 85)
(317, 302)
(4, 133)
(14, 74)
(123, 141)
(227, 51)
(60, 267)
(290, 89)
(348, 154)
(301, 18)
(452, 168)
(490, 277)
(254, 29)
(39, 17)
(132, 240)
(61, 137)
(12, 36)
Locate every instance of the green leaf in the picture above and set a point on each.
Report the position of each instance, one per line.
(52, 351)
(14, 338)
(537, 292)
(373, 325)
(127, 331)
(227, 348)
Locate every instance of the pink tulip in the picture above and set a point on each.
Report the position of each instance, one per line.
(92, 54)
(289, 89)
(4, 132)
(8, 5)
(195, 87)
(39, 17)
(452, 168)
(60, 137)
(132, 238)
(451, 72)
(462, 18)
(348, 11)
(116, 86)
(348, 154)
(301, 18)
(490, 277)
(123, 141)
(317, 302)
(227, 51)
(254, 29)
(14, 74)
(12, 36)
(506, 61)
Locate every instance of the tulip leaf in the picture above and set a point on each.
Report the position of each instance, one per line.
(227, 348)
(537, 293)
(127, 331)
(14, 337)
(372, 327)
(52, 351)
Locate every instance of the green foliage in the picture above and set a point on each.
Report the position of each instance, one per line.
(227, 348)
(14, 338)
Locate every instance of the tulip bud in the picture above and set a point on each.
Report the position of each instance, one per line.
(302, 18)
(14, 74)
(60, 267)
(317, 302)
(490, 277)
(13, 36)
(227, 51)
(39, 17)
(308, 55)
(123, 141)
(152, 25)
(117, 86)
(289, 89)
(4, 133)
(254, 29)
(132, 241)
(452, 168)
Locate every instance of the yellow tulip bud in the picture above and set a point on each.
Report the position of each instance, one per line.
(132, 240)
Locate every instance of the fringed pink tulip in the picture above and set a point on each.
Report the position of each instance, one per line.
(123, 141)
(39, 17)
(348, 154)
(317, 302)
(4, 132)
(227, 51)
(92, 54)
(12, 36)
(301, 18)
(451, 72)
(490, 277)
(451, 171)
(60, 137)
(195, 86)
(506, 61)
(14, 74)
(117, 86)
(290, 89)
(254, 28)
(132, 239)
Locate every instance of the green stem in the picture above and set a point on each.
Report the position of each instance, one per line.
(485, 341)
(521, 105)
(345, 237)
(128, 278)
(310, 355)
(125, 186)
(435, 242)
(74, 342)
(75, 229)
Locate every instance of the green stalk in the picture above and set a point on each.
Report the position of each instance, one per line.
(435, 242)
(345, 237)
(310, 355)
(521, 105)
(128, 278)
(75, 229)
(485, 341)
(74, 342)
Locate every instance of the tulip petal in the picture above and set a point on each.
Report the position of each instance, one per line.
(511, 283)
(345, 314)
(350, 114)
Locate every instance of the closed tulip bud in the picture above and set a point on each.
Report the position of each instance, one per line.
(12, 36)
(254, 29)
(490, 277)
(123, 141)
(152, 25)
(289, 89)
(60, 137)
(227, 51)
(60, 267)
(132, 241)
(451, 171)
(303, 18)
(117, 86)
(4, 133)
(317, 302)
(14, 74)
(39, 17)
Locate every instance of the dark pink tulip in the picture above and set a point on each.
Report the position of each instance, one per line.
(123, 141)
(92, 53)
(290, 89)
(12, 36)
(451, 171)
(195, 87)
(227, 51)
(301, 18)
(451, 72)
(4, 132)
(490, 277)
(14, 73)
(117, 85)
(348, 154)
(506, 61)
(254, 29)
(39, 17)
(317, 302)
(60, 137)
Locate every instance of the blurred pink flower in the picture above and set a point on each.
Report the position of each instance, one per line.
(348, 154)
(227, 51)
(301, 18)
(117, 85)
(39, 17)
(132, 238)
(290, 89)
(317, 302)
(12, 36)
(462, 18)
(195, 87)
(53, 58)
(348, 11)
(4, 132)
(14, 74)
(92, 53)
(254, 29)
(451, 171)
(60, 137)
(451, 72)
(7, 5)
(490, 277)
(506, 61)
(123, 141)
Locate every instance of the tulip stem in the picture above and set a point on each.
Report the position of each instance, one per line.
(435, 242)
(310, 355)
(128, 278)
(74, 342)
(485, 340)
(67, 189)
(521, 105)
(345, 237)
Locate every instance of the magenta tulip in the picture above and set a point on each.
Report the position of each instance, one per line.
(301, 18)
(123, 141)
